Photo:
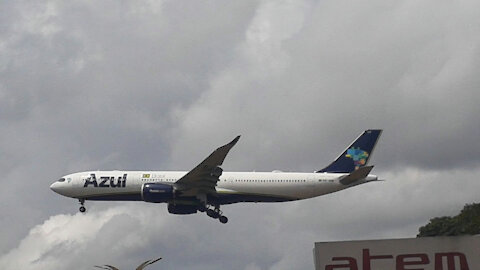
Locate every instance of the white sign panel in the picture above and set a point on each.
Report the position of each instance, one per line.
(428, 253)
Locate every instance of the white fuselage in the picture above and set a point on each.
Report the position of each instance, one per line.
(206, 187)
(232, 186)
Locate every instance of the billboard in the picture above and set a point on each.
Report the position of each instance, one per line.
(427, 253)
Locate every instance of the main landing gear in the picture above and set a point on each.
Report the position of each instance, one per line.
(214, 212)
(82, 207)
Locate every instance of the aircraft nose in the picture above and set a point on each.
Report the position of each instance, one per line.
(62, 187)
(55, 187)
(59, 187)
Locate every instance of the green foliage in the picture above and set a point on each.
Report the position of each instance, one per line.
(465, 223)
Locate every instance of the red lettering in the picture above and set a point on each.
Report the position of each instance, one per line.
(367, 258)
(443, 261)
(352, 264)
(411, 259)
(450, 257)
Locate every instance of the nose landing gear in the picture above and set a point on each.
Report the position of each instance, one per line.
(82, 208)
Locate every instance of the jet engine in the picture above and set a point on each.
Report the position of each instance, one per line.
(157, 193)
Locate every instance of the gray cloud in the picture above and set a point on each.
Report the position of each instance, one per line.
(338, 73)
(159, 85)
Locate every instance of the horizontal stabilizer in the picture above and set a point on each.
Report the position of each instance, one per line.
(356, 175)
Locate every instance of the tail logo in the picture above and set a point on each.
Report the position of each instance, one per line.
(358, 155)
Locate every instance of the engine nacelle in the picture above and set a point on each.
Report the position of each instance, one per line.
(182, 209)
(157, 193)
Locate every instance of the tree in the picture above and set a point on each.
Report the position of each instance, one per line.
(140, 267)
(465, 223)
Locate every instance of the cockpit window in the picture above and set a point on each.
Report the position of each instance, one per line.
(61, 180)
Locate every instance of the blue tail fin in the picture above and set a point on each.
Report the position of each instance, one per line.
(356, 155)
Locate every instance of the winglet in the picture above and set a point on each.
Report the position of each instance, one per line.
(356, 175)
(235, 140)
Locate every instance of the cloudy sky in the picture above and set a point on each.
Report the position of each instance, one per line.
(157, 85)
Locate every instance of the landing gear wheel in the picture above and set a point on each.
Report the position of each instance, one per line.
(216, 213)
(212, 213)
(223, 219)
(82, 208)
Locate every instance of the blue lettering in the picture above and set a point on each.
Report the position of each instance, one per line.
(106, 181)
(91, 180)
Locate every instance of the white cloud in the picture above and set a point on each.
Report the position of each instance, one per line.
(258, 236)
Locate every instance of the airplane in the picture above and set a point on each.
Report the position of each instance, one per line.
(206, 187)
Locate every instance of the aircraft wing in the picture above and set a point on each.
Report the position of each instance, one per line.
(204, 177)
